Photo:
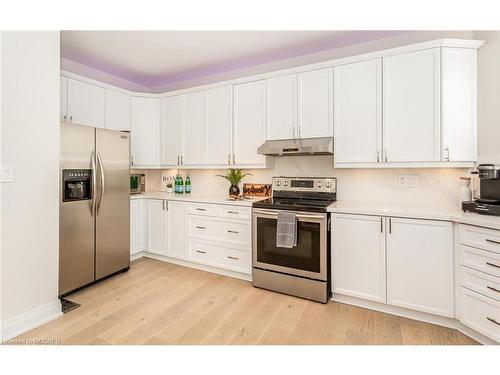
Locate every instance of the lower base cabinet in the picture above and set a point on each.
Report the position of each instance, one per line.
(402, 262)
(136, 226)
(177, 222)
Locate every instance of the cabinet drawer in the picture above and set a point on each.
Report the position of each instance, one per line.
(480, 282)
(203, 209)
(231, 212)
(203, 253)
(202, 227)
(482, 238)
(480, 313)
(235, 232)
(236, 260)
(480, 260)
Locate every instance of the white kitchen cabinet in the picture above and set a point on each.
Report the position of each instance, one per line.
(411, 106)
(219, 124)
(145, 125)
(193, 139)
(64, 99)
(157, 226)
(420, 265)
(281, 107)
(117, 110)
(85, 103)
(136, 226)
(177, 221)
(249, 122)
(315, 103)
(358, 261)
(458, 105)
(357, 95)
(172, 110)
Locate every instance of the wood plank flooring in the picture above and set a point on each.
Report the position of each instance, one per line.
(161, 303)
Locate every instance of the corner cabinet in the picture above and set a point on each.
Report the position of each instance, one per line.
(400, 262)
(412, 109)
(82, 103)
(145, 126)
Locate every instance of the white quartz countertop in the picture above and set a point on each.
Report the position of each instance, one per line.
(416, 211)
(196, 198)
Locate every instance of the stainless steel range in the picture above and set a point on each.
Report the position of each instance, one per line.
(302, 268)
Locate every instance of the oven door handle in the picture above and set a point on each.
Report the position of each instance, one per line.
(299, 216)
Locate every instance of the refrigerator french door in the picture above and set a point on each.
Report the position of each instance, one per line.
(94, 227)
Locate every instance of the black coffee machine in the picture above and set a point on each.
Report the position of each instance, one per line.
(488, 202)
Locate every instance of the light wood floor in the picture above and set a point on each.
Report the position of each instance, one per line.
(162, 303)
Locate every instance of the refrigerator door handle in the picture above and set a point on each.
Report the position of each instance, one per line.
(94, 183)
(101, 172)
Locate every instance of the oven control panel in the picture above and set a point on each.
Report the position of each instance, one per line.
(312, 184)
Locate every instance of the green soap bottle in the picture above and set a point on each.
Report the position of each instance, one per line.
(188, 185)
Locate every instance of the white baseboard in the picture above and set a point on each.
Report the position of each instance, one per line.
(30, 319)
(416, 315)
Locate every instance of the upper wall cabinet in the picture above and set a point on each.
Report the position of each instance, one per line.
(219, 126)
(193, 145)
(315, 103)
(172, 109)
(411, 105)
(300, 105)
(357, 97)
(145, 125)
(117, 110)
(249, 122)
(85, 104)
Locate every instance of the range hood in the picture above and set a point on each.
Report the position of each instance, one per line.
(286, 147)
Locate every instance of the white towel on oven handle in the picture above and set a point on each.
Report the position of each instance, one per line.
(286, 229)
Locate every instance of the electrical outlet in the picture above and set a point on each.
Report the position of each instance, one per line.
(6, 174)
(407, 181)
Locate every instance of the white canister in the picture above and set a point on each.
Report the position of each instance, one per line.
(464, 192)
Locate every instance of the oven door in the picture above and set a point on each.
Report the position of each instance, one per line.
(307, 259)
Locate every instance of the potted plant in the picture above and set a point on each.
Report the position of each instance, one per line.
(234, 176)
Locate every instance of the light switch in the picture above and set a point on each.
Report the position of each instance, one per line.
(6, 174)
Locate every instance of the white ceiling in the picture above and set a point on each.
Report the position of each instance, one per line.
(153, 58)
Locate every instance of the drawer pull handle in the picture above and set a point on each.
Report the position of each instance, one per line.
(234, 258)
(493, 320)
(233, 212)
(201, 209)
(492, 265)
(493, 241)
(198, 227)
(493, 289)
(201, 252)
(232, 231)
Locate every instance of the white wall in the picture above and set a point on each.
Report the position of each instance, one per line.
(488, 96)
(30, 204)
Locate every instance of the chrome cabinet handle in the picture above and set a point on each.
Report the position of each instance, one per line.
(390, 225)
(447, 156)
(201, 252)
(492, 265)
(233, 212)
(493, 320)
(378, 156)
(493, 241)
(182, 159)
(234, 160)
(234, 258)
(163, 205)
(299, 135)
(71, 118)
(493, 289)
(65, 117)
(293, 132)
(201, 209)
(101, 172)
(178, 159)
(200, 227)
(381, 225)
(232, 231)
(385, 155)
(228, 158)
(94, 182)
(299, 216)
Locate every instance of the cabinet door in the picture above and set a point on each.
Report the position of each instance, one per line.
(358, 261)
(412, 106)
(177, 221)
(357, 96)
(85, 104)
(458, 112)
(136, 226)
(117, 110)
(64, 99)
(145, 131)
(315, 103)
(219, 124)
(420, 265)
(193, 149)
(172, 124)
(249, 122)
(281, 107)
(157, 225)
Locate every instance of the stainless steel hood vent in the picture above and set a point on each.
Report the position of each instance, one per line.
(286, 147)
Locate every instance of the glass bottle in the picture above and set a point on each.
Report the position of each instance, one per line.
(188, 185)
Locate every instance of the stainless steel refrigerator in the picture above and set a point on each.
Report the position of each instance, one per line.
(94, 229)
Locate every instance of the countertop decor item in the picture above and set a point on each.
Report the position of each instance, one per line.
(465, 193)
(234, 176)
(257, 190)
